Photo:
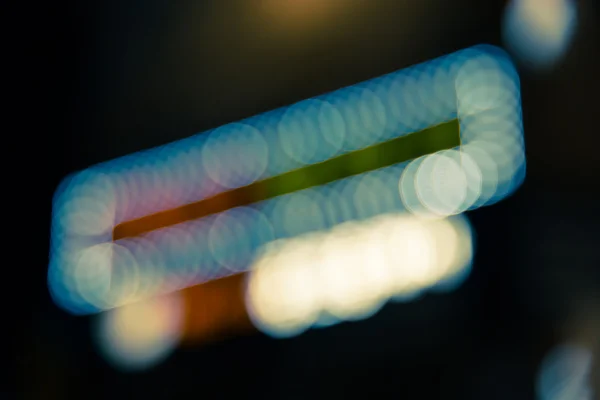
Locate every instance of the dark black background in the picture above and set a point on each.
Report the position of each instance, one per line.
(97, 80)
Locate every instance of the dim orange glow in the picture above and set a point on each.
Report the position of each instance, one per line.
(142, 334)
(214, 310)
(296, 14)
(215, 204)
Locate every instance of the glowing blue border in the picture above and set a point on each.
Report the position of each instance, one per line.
(479, 86)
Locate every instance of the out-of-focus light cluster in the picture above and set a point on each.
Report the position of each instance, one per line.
(539, 32)
(317, 279)
(89, 272)
(351, 271)
(140, 335)
(565, 374)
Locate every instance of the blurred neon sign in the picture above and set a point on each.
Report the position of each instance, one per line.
(89, 271)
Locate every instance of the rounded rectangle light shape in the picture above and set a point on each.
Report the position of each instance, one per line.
(479, 86)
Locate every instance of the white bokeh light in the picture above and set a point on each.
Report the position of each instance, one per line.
(539, 32)
(140, 335)
(349, 272)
